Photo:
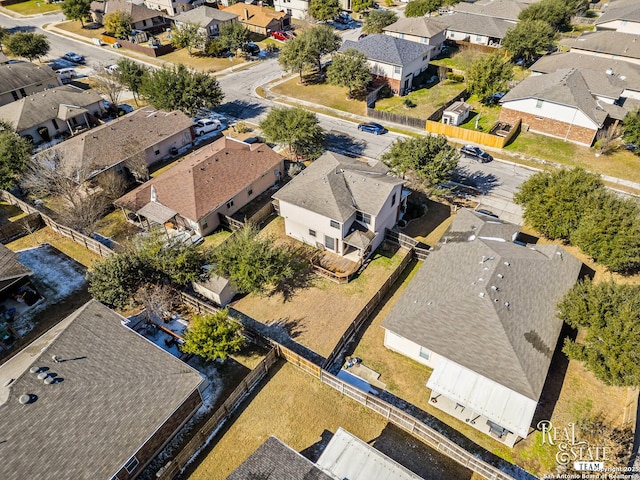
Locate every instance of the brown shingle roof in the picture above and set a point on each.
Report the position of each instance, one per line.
(206, 179)
(258, 16)
(138, 12)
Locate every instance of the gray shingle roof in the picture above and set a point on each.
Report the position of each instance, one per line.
(205, 15)
(607, 42)
(274, 460)
(620, 10)
(19, 75)
(335, 186)
(10, 266)
(565, 87)
(419, 26)
(117, 389)
(488, 304)
(42, 106)
(501, 9)
(388, 49)
(476, 24)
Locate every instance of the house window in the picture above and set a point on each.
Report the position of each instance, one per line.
(396, 69)
(425, 57)
(363, 217)
(393, 200)
(250, 190)
(131, 465)
(478, 38)
(312, 233)
(423, 40)
(330, 242)
(424, 353)
(15, 95)
(334, 224)
(451, 34)
(230, 204)
(156, 151)
(144, 23)
(205, 225)
(55, 124)
(539, 104)
(402, 35)
(22, 92)
(115, 477)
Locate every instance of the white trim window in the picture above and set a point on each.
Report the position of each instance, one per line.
(132, 464)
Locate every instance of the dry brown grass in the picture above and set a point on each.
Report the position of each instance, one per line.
(318, 315)
(303, 413)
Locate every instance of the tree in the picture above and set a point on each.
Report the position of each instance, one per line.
(430, 159)
(131, 74)
(609, 232)
(113, 280)
(76, 10)
(631, 129)
(253, 263)
(320, 41)
(4, 34)
(350, 69)
(296, 128)
(487, 75)
(233, 36)
(295, 57)
(609, 313)
(419, 8)
(27, 45)
(157, 300)
(188, 35)
(15, 153)
(555, 202)
(557, 13)
(323, 10)
(177, 88)
(361, 5)
(109, 85)
(528, 38)
(213, 48)
(118, 23)
(213, 337)
(377, 20)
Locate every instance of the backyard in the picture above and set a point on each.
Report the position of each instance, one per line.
(426, 100)
(33, 7)
(303, 413)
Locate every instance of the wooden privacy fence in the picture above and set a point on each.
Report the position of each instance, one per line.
(248, 384)
(18, 228)
(420, 250)
(472, 136)
(395, 118)
(364, 314)
(74, 235)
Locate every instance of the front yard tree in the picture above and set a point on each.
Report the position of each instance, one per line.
(15, 153)
(188, 35)
(350, 69)
(295, 57)
(253, 263)
(76, 10)
(320, 41)
(528, 38)
(118, 24)
(610, 315)
(361, 5)
(296, 128)
(555, 202)
(324, 9)
(131, 75)
(430, 160)
(489, 74)
(631, 129)
(177, 88)
(27, 45)
(213, 336)
(233, 36)
(377, 20)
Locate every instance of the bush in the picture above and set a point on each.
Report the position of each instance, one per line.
(408, 103)
(454, 77)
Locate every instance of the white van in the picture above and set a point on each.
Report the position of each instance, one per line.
(66, 74)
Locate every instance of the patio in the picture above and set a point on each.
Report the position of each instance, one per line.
(335, 267)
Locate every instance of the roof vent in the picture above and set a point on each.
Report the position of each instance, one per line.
(609, 71)
(494, 288)
(25, 398)
(55, 359)
(507, 264)
(481, 294)
(49, 380)
(42, 375)
(8, 382)
(500, 276)
(507, 304)
(34, 369)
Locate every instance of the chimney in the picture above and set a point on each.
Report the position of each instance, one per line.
(246, 14)
(154, 196)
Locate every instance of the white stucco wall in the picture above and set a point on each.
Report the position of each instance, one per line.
(436, 41)
(551, 110)
(298, 222)
(622, 26)
(299, 8)
(409, 349)
(467, 37)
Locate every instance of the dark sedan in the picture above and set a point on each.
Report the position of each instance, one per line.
(476, 153)
(372, 128)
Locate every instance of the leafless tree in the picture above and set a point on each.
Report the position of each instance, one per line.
(158, 300)
(108, 84)
(442, 72)
(112, 184)
(606, 140)
(137, 165)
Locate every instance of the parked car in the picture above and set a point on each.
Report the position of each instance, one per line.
(73, 57)
(476, 153)
(111, 69)
(362, 35)
(66, 75)
(278, 35)
(251, 48)
(372, 128)
(206, 125)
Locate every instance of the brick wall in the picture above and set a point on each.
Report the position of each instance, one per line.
(394, 84)
(548, 126)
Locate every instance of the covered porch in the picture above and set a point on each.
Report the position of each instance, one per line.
(357, 244)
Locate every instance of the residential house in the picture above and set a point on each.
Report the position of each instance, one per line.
(113, 399)
(210, 19)
(12, 272)
(481, 312)
(621, 16)
(456, 113)
(173, 7)
(300, 8)
(147, 135)
(342, 204)
(501, 9)
(17, 80)
(216, 180)
(259, 19)
(570, 104)
(393, 60)
(142, 18)
(476, 29)
(607, 44)
(345, 456)
(57, 111)
(425, 30)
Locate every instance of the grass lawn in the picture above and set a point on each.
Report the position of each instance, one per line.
(116, 227)
(427, 100)
(321, 94)
(201, 63)
(303, 413)
(216, 238)
(318, 315)
(10, 213)
(62, 243)
(74, 26)
(33, 7)
(459, 59)
(488, 115)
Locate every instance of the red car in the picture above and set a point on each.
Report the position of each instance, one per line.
(282, 36)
